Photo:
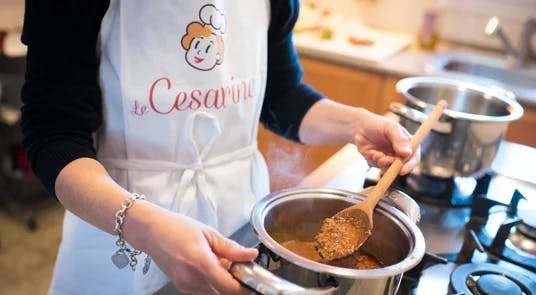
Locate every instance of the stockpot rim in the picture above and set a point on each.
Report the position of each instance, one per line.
(488, 92)
(417, 243)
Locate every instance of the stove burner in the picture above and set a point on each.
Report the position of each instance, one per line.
(496, 284)
(503, 232)
(523, 243)
(450, 192)
(524, 236)
(487, 278)
(527, 226)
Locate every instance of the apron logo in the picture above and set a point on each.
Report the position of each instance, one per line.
(203, 40)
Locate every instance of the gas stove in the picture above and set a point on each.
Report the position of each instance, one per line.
(497, 255)
(480, 232)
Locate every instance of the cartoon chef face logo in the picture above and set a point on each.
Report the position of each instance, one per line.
(203, 40)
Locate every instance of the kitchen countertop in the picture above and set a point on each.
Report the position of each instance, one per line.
(409, 61)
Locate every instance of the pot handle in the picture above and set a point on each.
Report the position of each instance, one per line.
(401, 201)
(263, 281)
(418, 117)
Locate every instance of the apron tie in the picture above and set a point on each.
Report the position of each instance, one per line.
(193, 182)
(193, 196)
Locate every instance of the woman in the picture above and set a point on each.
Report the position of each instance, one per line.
(173, 121)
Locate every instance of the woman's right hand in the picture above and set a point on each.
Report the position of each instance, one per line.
(195, 256)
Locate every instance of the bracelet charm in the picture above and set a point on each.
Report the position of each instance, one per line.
(124, 255)
(120, 259)
(147, 264)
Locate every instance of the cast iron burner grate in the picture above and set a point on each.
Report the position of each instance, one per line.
(444, 192)
(487, 278)
(469, 273)
(505, 231)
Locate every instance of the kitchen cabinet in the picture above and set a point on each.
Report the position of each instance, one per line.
(523, 130)
(342, 83)
(388, 94)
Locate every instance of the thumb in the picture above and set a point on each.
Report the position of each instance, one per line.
(229, 249)
(400, 139)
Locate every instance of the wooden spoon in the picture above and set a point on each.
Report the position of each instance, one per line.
(343, 234)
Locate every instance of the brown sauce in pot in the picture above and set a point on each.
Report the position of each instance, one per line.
(307, 249)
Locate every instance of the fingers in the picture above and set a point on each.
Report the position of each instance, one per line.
(229, 249)
(383, 161)
(219, 278)
(208, 275)
(400, 139)
(412, 162)
(224, 251)
(378, 159)
(392, 116)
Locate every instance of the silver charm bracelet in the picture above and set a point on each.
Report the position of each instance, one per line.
(125, 255)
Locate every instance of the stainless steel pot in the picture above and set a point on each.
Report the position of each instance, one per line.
(298, 214)
(465, 140)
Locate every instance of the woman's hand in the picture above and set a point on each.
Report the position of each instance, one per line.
(380, 139)
(194, 256)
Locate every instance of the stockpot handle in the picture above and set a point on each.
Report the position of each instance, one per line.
(263, 281)
(418, 117)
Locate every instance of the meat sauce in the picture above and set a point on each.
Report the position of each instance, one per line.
(307, 249)
(341, 236)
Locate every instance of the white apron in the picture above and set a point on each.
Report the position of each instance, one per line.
(183, 83)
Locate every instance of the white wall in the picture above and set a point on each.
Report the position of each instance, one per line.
(462, 20)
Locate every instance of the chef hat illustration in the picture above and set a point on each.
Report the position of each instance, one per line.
(213, 17)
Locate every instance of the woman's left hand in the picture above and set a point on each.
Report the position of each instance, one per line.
(380, 139)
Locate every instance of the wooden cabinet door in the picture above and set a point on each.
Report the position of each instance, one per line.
(523, 131)
(343, 84)
(289, 162)
(389, 94)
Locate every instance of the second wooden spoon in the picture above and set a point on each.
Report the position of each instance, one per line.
(343, 233)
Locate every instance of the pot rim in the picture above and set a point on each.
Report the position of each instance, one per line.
(417, 247)
(488, 92)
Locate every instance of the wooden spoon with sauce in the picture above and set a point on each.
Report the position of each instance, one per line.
(343, 234)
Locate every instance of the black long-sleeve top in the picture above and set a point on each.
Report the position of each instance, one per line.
(62, 103)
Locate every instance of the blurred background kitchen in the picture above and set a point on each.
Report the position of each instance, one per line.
(354, 51)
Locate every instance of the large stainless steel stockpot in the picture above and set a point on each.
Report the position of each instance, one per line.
(297, 214)
(465, 140)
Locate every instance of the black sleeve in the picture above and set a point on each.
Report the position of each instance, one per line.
(287, 99)
(61, 96)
